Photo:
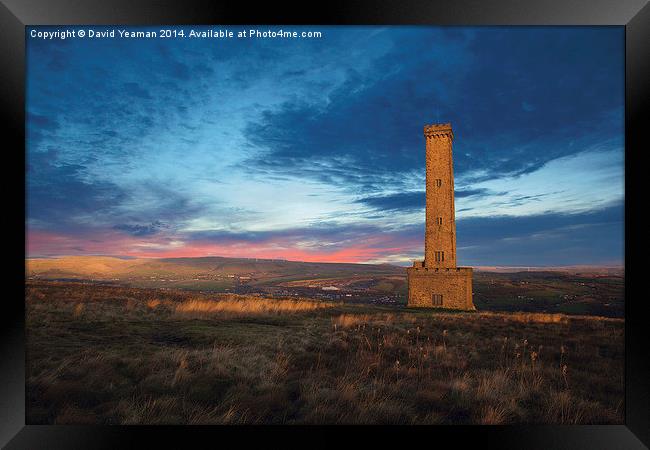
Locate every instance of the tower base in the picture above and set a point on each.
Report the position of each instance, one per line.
(431, 287)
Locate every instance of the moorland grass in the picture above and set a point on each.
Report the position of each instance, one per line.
(106, 354)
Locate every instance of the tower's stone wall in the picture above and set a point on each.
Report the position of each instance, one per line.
(437, 281)
(454, 285)
(440, 233)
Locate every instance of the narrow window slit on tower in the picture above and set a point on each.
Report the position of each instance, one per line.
(439, 220)
(438, 182)
(437, 300)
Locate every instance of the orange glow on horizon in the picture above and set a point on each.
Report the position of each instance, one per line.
(114, 243)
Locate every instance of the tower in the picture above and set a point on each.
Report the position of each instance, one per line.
(438, 281)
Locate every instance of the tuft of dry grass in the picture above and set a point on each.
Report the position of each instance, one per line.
(460, 384)
(493, 415)
(527, 317)
(246, 306)
(344, 321)
(78, 309)
(153, 303)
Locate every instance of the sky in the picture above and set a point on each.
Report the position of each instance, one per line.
(313, 150)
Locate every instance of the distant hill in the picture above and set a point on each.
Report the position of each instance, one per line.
(110, 268)
(577, 269)
(585, 290)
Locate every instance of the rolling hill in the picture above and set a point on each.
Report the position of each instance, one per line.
(207, 268)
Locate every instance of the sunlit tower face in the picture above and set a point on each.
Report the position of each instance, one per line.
(440, 233)
(438, 281)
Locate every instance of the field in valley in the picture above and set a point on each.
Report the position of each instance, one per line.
(111, 354)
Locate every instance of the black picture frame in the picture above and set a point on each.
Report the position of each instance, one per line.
(15, 15)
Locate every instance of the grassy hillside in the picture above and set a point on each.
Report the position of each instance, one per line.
(102, 267)
(108, 354)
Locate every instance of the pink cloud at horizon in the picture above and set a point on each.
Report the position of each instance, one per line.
(379, 247)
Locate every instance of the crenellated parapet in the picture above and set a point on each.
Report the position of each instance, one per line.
(438, 130)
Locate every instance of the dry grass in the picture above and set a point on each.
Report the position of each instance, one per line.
(344, 321)
(153, 303)
(349, 320)
(239, 306)
(78, 309)
(528, 317)
(103, 354)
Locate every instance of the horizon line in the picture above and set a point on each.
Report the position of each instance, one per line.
(477, 266)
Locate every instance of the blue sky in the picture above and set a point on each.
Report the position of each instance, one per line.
(312, 149)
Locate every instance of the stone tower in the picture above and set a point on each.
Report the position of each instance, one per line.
(437, 281)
